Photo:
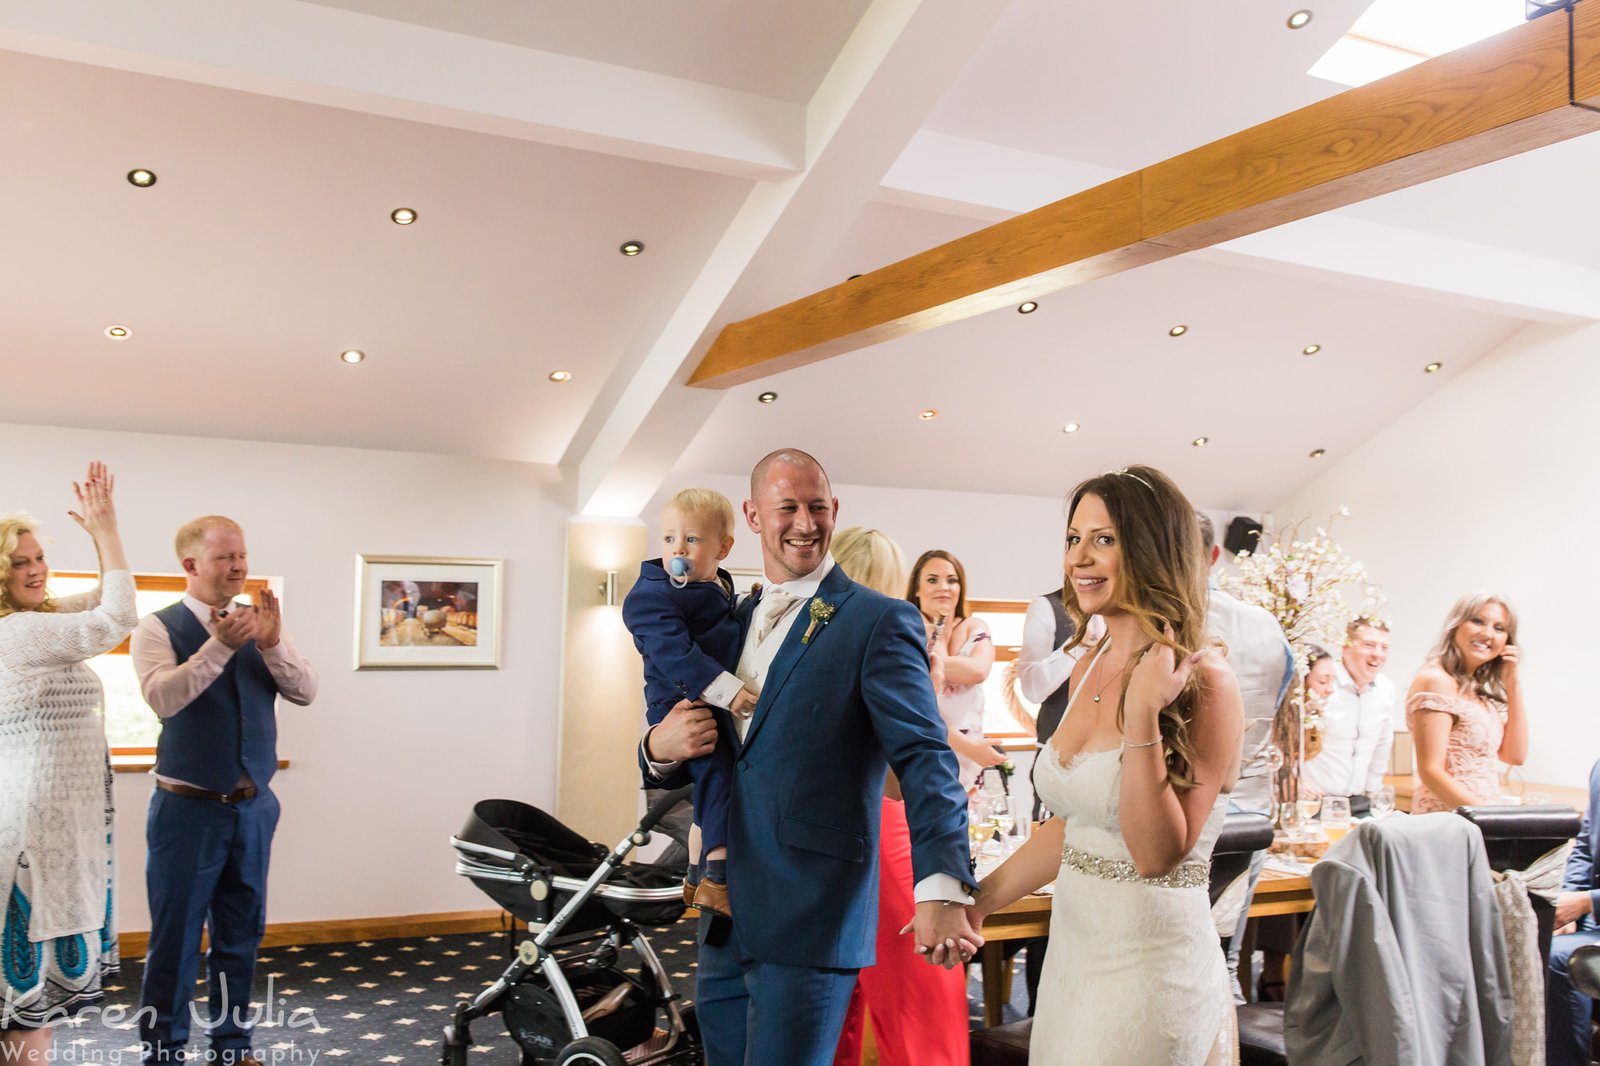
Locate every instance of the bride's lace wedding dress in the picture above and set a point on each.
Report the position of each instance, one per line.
(1135, 973)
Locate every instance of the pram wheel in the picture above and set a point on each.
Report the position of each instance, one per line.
(591, 1051)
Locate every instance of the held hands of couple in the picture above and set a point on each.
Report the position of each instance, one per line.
(946, 933)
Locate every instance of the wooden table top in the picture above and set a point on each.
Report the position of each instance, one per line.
(1276, 893)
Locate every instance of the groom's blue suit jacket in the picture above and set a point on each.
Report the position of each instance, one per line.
(808, 786)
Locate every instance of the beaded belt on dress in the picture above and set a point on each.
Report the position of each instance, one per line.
(1189, 875)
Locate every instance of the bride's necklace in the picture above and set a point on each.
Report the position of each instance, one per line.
(1115, 674)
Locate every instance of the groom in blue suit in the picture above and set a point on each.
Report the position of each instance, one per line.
(842, 673)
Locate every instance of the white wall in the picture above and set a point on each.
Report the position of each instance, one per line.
(385, 764)
(1483, 486)
(1010, 545)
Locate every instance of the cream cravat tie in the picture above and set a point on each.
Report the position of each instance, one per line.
(775, 603)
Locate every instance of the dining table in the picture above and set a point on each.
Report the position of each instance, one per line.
(1278, 892)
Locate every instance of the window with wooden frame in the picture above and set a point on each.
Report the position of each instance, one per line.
(1003, 704)
(131, 726)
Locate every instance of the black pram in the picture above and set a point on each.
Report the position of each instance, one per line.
(564, 999)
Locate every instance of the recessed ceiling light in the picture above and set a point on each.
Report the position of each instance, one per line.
(1200, 442)
(1298, 20)
(1318, 453)
(928, 414)
(768, 397)
(1433, 368)
(1027, 307)
(402, 216)
(352, 355)
(1311, 349)
(559, 376)
(1071, 427)
(118, 333)
(1177, 331)
(631, 247)
(142, 178)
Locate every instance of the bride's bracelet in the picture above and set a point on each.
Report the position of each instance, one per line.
(1146, 744)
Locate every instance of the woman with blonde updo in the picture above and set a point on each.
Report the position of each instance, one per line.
(919, 1012)
(1465, 707)
(55, 775)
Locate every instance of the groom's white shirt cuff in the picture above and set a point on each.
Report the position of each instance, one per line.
(941, 887)
(722, 691)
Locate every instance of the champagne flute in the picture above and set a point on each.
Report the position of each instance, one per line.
(1289, 820)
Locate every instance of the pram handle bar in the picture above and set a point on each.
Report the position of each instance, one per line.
(509, 858)
(659, 809)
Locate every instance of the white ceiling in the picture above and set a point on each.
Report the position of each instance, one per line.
(1005, 383)
(772, 49)
(761, 150)
(265, 249)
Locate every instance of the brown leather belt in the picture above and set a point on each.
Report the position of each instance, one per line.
(238, 794)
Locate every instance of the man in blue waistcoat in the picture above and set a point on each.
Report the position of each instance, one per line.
(212, 668)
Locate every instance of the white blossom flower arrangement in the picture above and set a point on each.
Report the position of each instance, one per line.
(1315, 591)
(1303, 583)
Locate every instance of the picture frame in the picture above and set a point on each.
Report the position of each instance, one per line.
(420, 612)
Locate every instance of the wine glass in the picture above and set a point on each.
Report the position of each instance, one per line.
(1001, 818)
(979, 825)
(1289, 820)
(1382, 801)
(1309, 807)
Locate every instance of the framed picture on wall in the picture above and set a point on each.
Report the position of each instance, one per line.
(423, 612)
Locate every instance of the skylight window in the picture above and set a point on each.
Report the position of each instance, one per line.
(1396, 34)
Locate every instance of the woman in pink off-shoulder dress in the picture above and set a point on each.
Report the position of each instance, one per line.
(1465, 707)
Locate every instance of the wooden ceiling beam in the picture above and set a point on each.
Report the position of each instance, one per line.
(1495, 99)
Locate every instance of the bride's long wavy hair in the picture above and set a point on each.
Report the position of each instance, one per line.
(1162, 584)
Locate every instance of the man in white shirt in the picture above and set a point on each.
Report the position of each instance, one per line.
(1358, 720)
(842, 673)
(1263, 663)
(1043, 661)
(212, 668)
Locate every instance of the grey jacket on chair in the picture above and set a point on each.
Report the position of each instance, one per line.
(1403, 961)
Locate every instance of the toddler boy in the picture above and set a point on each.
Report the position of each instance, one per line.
(680, 613)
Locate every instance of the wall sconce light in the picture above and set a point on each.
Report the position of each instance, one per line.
(608, 588)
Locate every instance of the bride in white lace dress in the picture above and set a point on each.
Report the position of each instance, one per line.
(1138, 774)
